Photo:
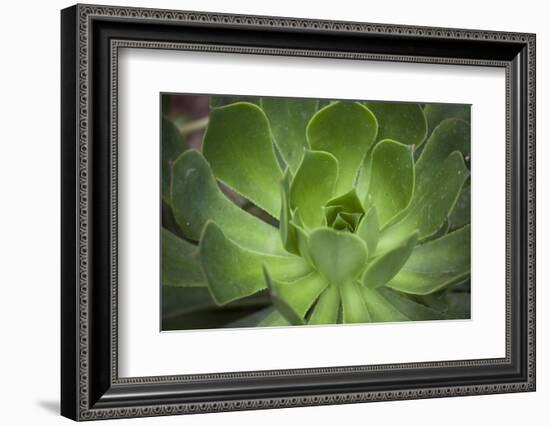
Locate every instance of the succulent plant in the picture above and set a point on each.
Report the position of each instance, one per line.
(365, 213)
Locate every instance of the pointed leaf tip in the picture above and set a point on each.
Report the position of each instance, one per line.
(384, 268)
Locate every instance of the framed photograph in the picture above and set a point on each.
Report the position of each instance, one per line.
(263, 212)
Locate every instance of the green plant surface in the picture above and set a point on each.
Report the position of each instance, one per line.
(173, 144)
(371, 208)
(402, 122)
(238, 145)
(288, 119)
(346, 130)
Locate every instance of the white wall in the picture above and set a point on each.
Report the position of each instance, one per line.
(29, 225)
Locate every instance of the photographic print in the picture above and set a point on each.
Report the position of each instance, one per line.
(329, 223)
(301, 212)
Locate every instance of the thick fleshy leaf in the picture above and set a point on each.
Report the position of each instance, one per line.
(180, 300)
(331, 213)
(411, 309)
(430, 206)
(298, 295)
(380, 309)
(274, 319)
(288, 231)
(341, 224)
(363, 177)
(435, 264)
(384, 268)
(326, 309)
(452, 302)
(168, 221)
(219, 101)
(352, 219)
(436, 113)
(313, 186)
(391, 178)
(460, 215)
(266, 317)
(346, 130)
(196, 198)
(354, 308)
(458, 305)
(180, 264)
(439, 233)
(449, 136)
(302, 236)
(349, 202)
(233, 272)
(172, 145)
(339, 256)
(325, 102)
(288, 119)
(399, 121)
(238, 145)
(368, 230)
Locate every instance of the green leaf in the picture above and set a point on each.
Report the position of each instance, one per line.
(172, 145)
(436, 113)
(458, 305)
(380, 309)
(168, 221)
(341, 224)
(392, 179)
(450, 302)
(180, 263)
(449, 136)
(346, 130)
(439, 233)
(383, 268)
(349, 202)
(196, 198)
(412, 310)
(325, 310)
(402, 122)
(233, 272)
(266, 317)
(302, 236)
(330, 213)
(352, 219)
(220, 101)
(238, 145)
(251, 320)
(436, 264)
(354, 308)
(460, 215)
(287, 229)
(298, 295)
(430, 205)
(274, 319)
(325, 102)
(363, 178)
(288, 119)
(179, 300)
(339, 256)
(368, 230)
(313, 186)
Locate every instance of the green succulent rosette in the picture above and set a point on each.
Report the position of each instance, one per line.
(366, 205)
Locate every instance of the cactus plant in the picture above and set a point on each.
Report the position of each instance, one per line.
(364, 214)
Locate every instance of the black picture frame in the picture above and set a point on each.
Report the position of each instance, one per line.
(90, 386)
